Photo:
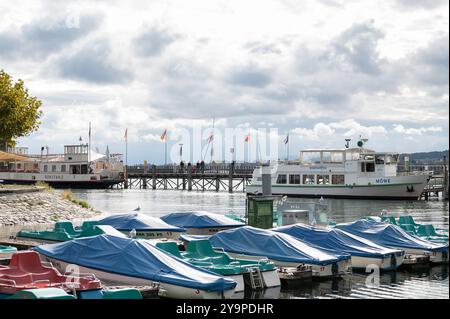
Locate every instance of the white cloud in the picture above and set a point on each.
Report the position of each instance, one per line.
(398, 128)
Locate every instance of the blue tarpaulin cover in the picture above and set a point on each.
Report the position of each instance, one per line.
(388, 235)
(337, 240)
(127, 222)
(277, 246)
(200, 219)
(135, 258)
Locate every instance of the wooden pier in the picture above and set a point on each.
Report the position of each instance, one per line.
(209, 177)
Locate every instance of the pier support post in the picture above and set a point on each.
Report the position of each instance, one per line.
(189, 177)
(154, 177)
(445, 186)
(217, 183)
(144, 183)
(230, 178)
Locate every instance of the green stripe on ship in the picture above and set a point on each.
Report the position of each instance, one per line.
(337, 186)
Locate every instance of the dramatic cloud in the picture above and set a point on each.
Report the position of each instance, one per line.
(324, 70)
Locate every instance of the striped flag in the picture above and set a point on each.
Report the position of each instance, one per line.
(286, 140)
(164, 136)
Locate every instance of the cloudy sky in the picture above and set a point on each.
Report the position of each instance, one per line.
(323, 70)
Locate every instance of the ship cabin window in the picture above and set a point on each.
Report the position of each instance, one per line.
(338, 179)
(391, 159)
(53, 168)
(63, 168)
(294, 179)
(75, 169)
(282, 179)
(367, 167)
(323, 179)
(379, 159)
(45, 168)
(309, 179)
(84, 169)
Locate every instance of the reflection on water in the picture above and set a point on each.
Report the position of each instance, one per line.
(426, 283)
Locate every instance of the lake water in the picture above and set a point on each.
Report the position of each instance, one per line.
(425, 283)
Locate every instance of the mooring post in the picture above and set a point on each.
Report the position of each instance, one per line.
(154, 177)
(189, 177)
(230, 178)
(445, 190)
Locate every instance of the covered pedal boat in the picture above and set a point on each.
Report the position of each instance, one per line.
(201, 222)
(144, 225)
(26, 271)
(392, 236)
(284, 250)
(137, 262)
(363, 251)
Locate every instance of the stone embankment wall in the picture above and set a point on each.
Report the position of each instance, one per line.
(38, 207)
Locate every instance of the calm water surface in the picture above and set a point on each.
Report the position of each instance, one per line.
(426, 283)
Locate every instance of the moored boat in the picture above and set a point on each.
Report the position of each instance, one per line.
(342, 173)
(26, 271)
(137, 262)
(200, 253)
(284, 250)
(201, 222)
(146, 227)
(392, 236)
(64, 231)
(6, 252)
(363, 251)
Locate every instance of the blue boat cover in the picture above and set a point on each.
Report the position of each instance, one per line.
(128, 222)
(389, 235)
(252, 241)
(338, 240)
(200, 219)
(134, 258)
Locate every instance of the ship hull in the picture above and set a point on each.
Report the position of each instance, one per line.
(68, 184)
(408, 189)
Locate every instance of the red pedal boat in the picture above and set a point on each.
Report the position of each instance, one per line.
(26, 271)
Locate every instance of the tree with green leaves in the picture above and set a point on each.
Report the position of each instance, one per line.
(19, 112)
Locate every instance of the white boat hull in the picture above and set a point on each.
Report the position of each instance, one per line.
(151, 234)
(402, 187)
(344, 266)
(382, 263)
(205, 231)
(165, 290)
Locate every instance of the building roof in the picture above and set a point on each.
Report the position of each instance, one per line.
(9, 157)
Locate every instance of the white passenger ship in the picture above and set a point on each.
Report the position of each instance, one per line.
(78, 167)
(345, 173)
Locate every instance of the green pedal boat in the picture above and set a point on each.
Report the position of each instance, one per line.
(6, 252)
(65, 231)
(256, 274)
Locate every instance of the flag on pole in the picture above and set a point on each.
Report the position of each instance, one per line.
(247, 138)
(286, 140)
(126, 134)
(210, 138)
(164, 135)
(89, 130)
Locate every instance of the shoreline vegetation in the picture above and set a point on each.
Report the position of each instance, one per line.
(40, 204)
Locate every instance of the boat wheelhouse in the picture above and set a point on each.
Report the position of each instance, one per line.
(78, 167)
(348, 173)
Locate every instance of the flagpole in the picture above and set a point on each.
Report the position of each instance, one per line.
(165, 152)
(89, 146)
(126, 155)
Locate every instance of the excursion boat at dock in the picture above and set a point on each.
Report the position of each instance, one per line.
(78, 167)
(342, 173)
(137, 262)
(201, 222)
(363, 251)
(283, 250)
(392, 236)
